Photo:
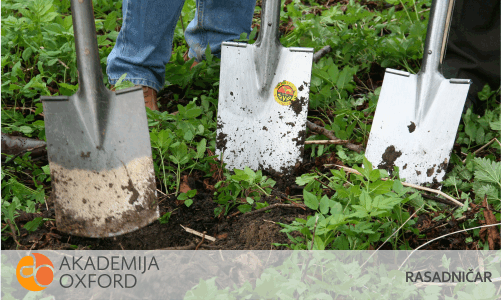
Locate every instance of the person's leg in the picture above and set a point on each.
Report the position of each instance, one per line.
(473, 47)
(144, 44)
(217, 21)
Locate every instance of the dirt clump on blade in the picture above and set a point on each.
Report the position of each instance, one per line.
(390, 155)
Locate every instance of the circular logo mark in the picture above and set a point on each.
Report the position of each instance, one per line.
(35, 272)
(285, 92)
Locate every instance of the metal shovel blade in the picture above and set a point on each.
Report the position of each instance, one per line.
(263, 100)
(99, 150)
(417, 116)
(422, 149)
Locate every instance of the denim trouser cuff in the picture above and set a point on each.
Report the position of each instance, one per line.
(144, 43)
(139, 81)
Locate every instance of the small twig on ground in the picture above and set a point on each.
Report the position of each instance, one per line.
(431, 241)
(203, 238)
(499, 143)
(329, 134)
(325, 185)
(442, 225)
(275, 206)
(191, 246)
(13, 232)
(189, 230)
(415, 186)
(7, 162)
(23, 108)
(321, 53)
(233, 215)
(444, 201)
(327, 142)
(163, 193)
(483, 147)
(62, 63)
(284, 196)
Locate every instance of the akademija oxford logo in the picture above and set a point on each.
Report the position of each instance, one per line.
(35, 272)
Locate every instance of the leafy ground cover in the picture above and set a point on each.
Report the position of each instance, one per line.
(320, 206)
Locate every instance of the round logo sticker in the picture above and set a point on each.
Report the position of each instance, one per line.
(285, 92)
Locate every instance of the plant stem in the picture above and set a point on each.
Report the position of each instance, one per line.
(406, 11)
(415, 10)
(163, 170)
(267, 195)
(178, 178)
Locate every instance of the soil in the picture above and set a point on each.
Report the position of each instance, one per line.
(412, 127)
(297, 106)
(389, 158)
(233, 231)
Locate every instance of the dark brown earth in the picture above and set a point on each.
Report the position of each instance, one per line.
(235, 231)
(297, 106)
(412, 127)
(389, 158)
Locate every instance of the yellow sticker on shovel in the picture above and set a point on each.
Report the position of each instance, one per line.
(285, 92)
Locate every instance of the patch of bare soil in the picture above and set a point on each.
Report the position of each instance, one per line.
(235, 231)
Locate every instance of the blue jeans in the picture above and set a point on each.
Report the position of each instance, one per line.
(144, 44)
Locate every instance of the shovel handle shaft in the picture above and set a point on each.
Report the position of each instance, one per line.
(90, 76)
(437, 35)
(270, 21)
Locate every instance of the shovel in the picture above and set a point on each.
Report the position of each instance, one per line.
(417, 116)
(263, 100)
(98, 145)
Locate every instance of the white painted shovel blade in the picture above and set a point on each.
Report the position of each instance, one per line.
(420, 150)
(254, 130)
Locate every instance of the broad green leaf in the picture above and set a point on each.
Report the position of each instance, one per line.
(250, 173)
(27, 54)
(495, 125)
(193, 113)
(366, 201)
(165, 218)
(380, 187)
(310, 200)
(305, 179)
(333, 72)
(244, 208)
(398, 187)
(374, 175)
(25, 129)
(480, 135)
(33, 225)
(111, 21)
(488, 171)
(325, 205)
(470, 129)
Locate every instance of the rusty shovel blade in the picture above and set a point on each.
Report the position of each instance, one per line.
(99, 150)
(263, 100)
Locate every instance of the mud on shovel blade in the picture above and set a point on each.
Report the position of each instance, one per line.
(263, 99)
(417, 116)
(99, 149)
